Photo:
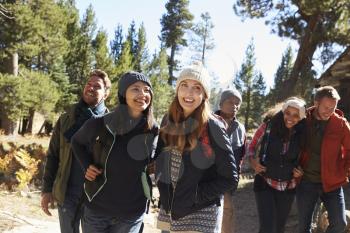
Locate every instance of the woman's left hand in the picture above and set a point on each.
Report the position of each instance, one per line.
(298, 172)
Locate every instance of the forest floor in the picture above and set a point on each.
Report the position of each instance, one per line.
(20, 212)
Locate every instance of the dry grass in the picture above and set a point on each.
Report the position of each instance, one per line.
(26, 139)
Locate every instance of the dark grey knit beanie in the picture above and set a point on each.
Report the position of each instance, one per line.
(130, 78)
(229, 93)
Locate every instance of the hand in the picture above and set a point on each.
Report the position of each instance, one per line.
(298, 172)
(92, 172)
(46, 199)
(256, 165)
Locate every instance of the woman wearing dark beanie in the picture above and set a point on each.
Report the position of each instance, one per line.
(114, 151)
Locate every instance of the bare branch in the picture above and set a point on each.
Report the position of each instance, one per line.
(5, 12)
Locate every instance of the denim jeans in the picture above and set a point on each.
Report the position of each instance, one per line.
(66, 214)
(273, 209)
(308, 194)
(97, 223)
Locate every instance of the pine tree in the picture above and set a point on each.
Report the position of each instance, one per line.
(36, 36)
(124, 65)
(79, 60)
(103, 60)
(140, 56)
(258, 99)
(117, 43)
(251, 85)
(215, 92)
(174, 24)
(158, 73)
(203, 39)
(125, 60)
(313, 24)
(132, 40)
(282, 74)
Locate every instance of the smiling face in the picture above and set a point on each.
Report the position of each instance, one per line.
(190, 95)
(291, 117)
(325, 107)
(94, 91)
(138, 98)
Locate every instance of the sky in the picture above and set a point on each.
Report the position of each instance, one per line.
(231, 35)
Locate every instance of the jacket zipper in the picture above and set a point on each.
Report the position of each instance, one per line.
(104, 173)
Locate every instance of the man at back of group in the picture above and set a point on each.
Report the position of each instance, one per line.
(63, 178)
(230, 102)
(325, 161)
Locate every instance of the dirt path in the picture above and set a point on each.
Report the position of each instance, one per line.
(21, 214)
(246, 214)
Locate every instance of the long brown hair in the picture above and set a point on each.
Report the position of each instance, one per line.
(180, 132)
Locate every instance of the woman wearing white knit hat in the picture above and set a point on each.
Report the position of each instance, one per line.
(274, 154)
(195, 164)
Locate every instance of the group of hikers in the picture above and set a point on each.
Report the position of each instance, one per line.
(98, 161)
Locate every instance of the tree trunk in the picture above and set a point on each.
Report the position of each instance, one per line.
(11, 67)
(24, 127)
(30, 121)
(204, 46)
(247, 111)
(171, 65)
(303, 61)
(8, 125)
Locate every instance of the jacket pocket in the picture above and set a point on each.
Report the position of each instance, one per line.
(146, 185)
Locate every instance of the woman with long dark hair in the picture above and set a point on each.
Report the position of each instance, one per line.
(195, 164)
(274, 155)
(114, 151)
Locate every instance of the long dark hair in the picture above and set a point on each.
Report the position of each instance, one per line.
(122, 116)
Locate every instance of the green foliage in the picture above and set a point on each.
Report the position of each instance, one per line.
(174, 24)
(163, 93)
(282, 74)
(252, 86)
(80, 58)
(103, 60)
(117, 44)
(66, 91)
(132, 39)
(258, 99)
(12, 95)
(36, 32)
(125, 62)
(33, 91)
(41, 94)
(203, 40)
(140, 56)
(314, 24)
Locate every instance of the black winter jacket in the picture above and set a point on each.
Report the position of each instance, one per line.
(202, 180)
(97, 143)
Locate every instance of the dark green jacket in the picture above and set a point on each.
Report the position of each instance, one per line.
(59, 158)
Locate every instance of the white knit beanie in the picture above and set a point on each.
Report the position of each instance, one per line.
(196, 72)
(295, 103)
